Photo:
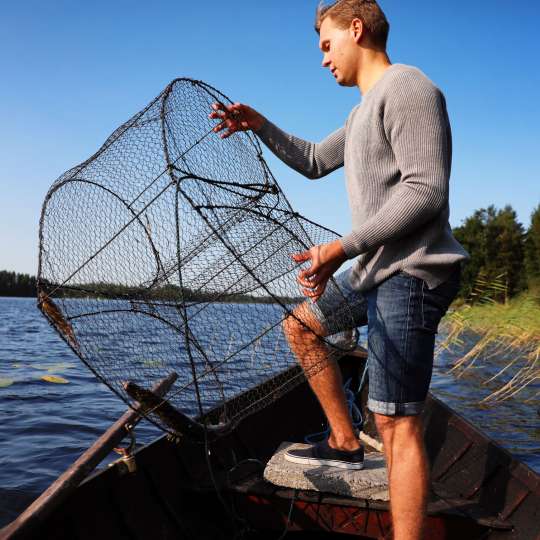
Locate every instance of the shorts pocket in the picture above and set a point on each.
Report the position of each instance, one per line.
(435, 302)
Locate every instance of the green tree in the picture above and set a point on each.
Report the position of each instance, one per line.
(13, 284)
(471, 235)
(505, 238)
(494, 239)
(532, 251)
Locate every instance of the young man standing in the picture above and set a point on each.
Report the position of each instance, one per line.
(396, 149)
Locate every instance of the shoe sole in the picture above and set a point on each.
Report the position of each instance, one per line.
(328, 462)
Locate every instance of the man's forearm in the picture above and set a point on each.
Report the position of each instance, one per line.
(313, 160)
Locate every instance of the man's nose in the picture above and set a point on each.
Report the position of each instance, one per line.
(325, 61)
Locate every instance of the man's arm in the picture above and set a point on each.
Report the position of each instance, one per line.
(313, 160)
(310, 159)
(417, 127)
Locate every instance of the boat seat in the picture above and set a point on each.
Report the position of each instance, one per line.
(370, 483)
(366, 488)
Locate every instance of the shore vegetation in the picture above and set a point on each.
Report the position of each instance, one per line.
(499, 301)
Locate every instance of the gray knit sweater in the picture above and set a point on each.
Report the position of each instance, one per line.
(396, 146)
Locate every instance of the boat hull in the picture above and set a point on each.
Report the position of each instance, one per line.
(478, 490)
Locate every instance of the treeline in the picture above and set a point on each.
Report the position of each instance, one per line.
(164, 293)
(13, 284)
(502, 252)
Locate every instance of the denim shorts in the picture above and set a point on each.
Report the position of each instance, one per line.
(403, 317)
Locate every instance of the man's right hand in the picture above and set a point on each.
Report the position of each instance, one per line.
(235, 117)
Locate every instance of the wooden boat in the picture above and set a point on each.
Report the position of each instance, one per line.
(478, 490)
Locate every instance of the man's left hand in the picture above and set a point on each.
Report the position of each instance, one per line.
(325, 260)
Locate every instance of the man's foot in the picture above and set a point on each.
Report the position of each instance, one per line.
(322, 454)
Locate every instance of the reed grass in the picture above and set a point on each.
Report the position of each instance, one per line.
(510, 327)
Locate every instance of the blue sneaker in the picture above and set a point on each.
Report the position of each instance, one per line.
(322, 454)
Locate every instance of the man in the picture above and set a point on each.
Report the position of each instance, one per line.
(396, 149)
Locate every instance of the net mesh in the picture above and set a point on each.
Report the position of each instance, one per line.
(168, 251)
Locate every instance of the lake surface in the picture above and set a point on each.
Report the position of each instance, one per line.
(45, 426)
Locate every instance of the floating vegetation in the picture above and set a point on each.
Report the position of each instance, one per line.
(27, 373)
(54, 379)
(509, 329)
(61, 366)
(58, 367)
(153, 362)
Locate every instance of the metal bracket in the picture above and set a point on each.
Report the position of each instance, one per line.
(127, 459)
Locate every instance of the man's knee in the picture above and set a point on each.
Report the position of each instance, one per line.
(402, 425)
(302, 324)
(383, 421)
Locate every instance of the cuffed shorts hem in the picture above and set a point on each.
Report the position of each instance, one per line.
(395, 409)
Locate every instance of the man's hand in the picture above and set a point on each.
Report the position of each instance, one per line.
(236, 117)
(325, 260)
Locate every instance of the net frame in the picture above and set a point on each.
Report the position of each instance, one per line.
(262, 200)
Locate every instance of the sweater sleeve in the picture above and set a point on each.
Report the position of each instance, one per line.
(313, 160)
(417, 127)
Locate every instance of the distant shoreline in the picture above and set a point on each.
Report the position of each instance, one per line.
(190, 300)
(15, 284)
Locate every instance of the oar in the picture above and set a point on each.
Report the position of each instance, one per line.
(173, 418)
(66, 484)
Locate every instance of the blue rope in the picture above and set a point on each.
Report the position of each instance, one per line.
(354, 411)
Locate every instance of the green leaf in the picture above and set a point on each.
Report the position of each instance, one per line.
(153, 362)
(59, 366)
(54, 379)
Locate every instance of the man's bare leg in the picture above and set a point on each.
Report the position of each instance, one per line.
(323, 373)
(408, 473)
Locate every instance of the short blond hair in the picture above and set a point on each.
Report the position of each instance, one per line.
(342, 12)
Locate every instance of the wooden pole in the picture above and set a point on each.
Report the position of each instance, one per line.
(68, 482)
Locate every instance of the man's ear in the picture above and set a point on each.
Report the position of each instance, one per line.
(357, 30)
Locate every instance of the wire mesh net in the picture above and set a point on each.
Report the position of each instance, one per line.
(168, 251)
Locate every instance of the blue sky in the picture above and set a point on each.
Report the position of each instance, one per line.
(73, 71)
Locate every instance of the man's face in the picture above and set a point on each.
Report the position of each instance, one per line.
(340, 52)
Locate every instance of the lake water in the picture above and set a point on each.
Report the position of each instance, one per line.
(45, 426)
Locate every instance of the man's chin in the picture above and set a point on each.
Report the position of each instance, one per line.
(344, 83)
